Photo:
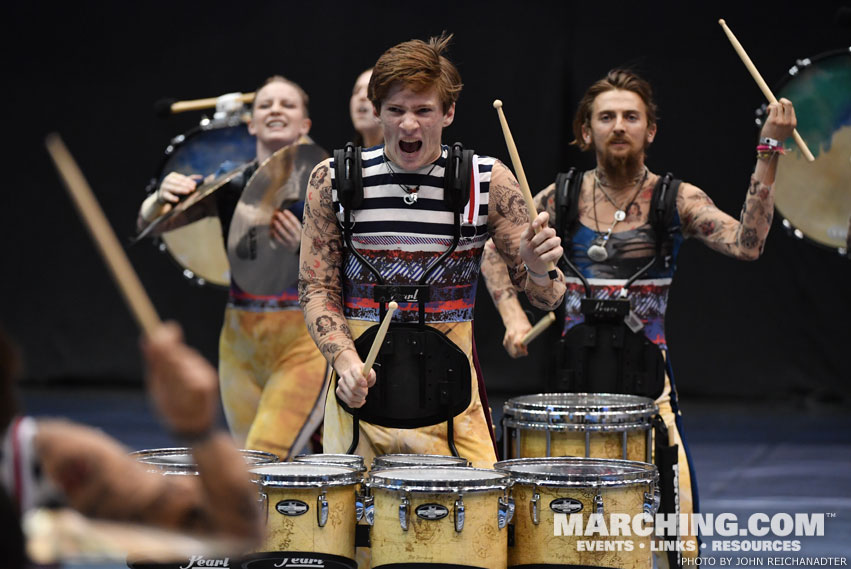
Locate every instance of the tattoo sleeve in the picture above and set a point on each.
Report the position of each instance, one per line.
(320, 275)
(743, 239)
(507, 219)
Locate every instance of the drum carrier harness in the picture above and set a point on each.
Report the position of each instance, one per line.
(608, 352)
(422, 377)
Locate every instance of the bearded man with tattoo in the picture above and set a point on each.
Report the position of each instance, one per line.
(411, 234)
(623, 243)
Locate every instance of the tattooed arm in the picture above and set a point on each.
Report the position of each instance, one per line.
(745, 238)
(320, 288)
(518, 245)
(100, 480)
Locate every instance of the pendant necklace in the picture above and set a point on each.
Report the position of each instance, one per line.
(597, 251)
(410, 197)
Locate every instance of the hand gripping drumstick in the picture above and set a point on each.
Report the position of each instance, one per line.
(107, 242)
(521, 175)
(539, 327)
(379, 338)
(763, 86)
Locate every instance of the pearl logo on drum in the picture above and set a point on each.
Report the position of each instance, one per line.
(566, 506)
(291, 507)
(432, 512)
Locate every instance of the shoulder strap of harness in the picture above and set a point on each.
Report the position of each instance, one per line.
(568, 187)
(348, 173)
(662, 207)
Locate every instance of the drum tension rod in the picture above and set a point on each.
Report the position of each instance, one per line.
(459, 513)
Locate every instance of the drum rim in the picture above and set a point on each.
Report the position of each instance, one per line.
(458, 461)
(143, 454)
(382, 480)
(349, 460)
(643, 472)
(562, 427)
(621, 410)
(346, 476)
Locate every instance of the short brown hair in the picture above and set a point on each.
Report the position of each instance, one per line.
(616, 79)
(419, 66)
(281, 79)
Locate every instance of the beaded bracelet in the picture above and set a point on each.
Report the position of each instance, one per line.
(765, 151)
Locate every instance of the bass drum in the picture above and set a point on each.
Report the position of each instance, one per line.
(198, 248)
(815, 198)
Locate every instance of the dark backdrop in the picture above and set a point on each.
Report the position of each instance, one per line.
(93, 70)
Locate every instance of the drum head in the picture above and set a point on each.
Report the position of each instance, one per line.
(439, 479)
(259, 264)
(397, 460)
(594, 409)
(199, 247)
(581, 472)
(816, 197)
(292, 474)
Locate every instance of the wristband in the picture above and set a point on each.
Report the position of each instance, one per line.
(770, 141)
(534, 274)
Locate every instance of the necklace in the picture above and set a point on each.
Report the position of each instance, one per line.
(597, 251)
(410, 192)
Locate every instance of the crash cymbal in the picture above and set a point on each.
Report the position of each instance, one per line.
(200, 193)
(259, 264)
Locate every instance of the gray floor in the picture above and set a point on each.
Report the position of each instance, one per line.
(751, 458)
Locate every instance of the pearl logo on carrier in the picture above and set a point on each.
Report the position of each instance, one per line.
(566, 506)
(291, 507)
(432, 512)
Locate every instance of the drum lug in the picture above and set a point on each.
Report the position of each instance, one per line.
(506, 511)
(321, 510)
(369, 509)
(404, 513)
(533, 507)
(263, 500)
(651, 501)
(598, 504)
(459, 513)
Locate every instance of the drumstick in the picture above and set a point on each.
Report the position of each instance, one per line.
(107, 242)
(521, 175)
(379, 338)
(201, 104)
(763, 85)
(539, 327)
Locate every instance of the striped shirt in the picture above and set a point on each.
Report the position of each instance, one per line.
(401, 241)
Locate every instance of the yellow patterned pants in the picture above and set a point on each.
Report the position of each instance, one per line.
(271, 376)
(472, 437)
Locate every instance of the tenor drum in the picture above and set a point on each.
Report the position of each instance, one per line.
(198, 247)
(815, 199)
(354, 461)
(439, 515)
(600, 425)
(309, 507)
(397, 460)
(180, 460)
(549, 494)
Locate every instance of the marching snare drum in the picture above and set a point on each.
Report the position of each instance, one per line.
(815, 200)
(181, 461)
(600, 425)
(397, 460)
(544, 487)
(309, 507)
(445, 515)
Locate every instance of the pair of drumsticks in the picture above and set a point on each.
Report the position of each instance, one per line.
(139, 302)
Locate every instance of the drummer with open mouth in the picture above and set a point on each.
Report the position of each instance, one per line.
(270, 371)
(622, 235)
(406, 221)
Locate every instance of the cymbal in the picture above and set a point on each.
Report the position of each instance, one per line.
(200, 193)
(259, 264)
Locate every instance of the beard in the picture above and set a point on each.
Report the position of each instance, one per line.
(625, 166)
